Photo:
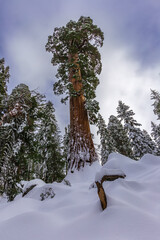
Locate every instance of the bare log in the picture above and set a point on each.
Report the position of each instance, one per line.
(101, 192)
(102, 195)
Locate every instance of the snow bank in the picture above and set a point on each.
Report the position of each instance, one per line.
(133, 211)
(37, 182)
(109, 172)
(86, 174)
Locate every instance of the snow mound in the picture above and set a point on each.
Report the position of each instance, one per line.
(133, 211)
(87, 174)
(109, 172)
(37, 182)
(37, 189)
(41, 193)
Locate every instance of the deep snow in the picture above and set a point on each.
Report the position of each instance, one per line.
(133, 211)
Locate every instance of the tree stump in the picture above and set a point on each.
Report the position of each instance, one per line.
(101, 192)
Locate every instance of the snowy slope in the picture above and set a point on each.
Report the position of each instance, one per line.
(133, 211)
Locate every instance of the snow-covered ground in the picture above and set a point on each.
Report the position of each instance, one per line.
(133, 211)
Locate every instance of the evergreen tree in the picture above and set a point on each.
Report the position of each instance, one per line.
(139, 139)
(21, 96)
(4, 79)
(75, 51)
(107, 143)
(51, 163)
(125, 114)
(29, 140)
(66, 146)
(156, 97)
(14, 135)
(119, 134)
(7, 161)
(155, 132)
(150, 145)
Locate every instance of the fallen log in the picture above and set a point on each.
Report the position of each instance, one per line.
(101, 192)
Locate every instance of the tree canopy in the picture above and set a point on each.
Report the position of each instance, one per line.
(81, 39)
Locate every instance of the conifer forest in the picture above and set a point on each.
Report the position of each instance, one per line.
(31, 143)
(79, 120)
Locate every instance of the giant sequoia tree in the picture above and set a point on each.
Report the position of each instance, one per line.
(75, 51)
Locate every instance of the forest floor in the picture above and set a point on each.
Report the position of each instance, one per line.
(133, 211)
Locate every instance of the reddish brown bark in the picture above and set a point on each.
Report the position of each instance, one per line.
(101, 192)
(81, 147)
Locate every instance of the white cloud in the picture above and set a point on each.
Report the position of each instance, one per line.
(122, 79)
(30, 61)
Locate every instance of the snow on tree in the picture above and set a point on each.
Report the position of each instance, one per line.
(155, 133)
(149, 144)
(141, 143)
(66, 146)
(29, 140)
(119, 134)
(13, 128)
(125, 114)
(50, 159)
(156, 127)
(4, 79)
(7, 163)
(75, 51)
(155, 95)
(107, 143)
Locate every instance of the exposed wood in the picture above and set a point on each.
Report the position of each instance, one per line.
(111, 177)
(102, 195)
(101, 192)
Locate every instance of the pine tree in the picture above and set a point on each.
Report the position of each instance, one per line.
(51, 163)
(107, 143)
(155, 132)
(149, 143)
(29, 140)
(4, 79)
(119, 134)
(140, 141)
(155, 95)
(66, 146)
(7, 139)
(21, 96)
(125, 114)
(75, 51)
(7, 163)
(14, 125)
(17, 152)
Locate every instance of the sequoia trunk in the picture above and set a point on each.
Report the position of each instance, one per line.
(81, 144)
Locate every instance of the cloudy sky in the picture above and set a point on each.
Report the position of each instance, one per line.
(130, 55)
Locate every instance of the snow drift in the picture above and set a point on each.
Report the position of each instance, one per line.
(133, 211)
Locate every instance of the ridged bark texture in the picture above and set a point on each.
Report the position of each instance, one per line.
(81, 144)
